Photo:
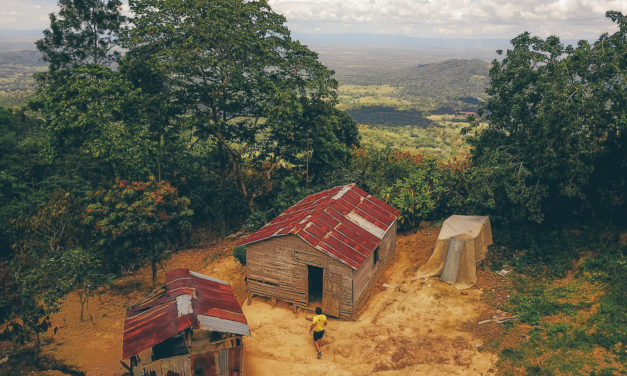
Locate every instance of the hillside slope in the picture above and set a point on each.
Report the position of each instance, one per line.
(449, 79)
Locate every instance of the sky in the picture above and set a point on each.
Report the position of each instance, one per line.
(569, 19)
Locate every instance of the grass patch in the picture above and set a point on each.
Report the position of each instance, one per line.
(573, 297)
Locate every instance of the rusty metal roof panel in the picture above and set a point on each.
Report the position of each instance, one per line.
(344, 222)
(188, 301)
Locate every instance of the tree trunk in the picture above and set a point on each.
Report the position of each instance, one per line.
(82, 297)
(154, 272)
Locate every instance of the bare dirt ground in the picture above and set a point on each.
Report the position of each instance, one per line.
(424, 328)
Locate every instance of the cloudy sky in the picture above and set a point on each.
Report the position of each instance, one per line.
(574, 19)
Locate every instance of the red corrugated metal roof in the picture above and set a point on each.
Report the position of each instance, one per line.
(158, 319)
(344, 222)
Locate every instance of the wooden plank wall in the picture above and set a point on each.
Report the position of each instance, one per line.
(366, 276)
(277, 268)
(178, 365)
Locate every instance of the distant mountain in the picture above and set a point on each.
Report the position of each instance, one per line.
(464, 80)
(30, 58)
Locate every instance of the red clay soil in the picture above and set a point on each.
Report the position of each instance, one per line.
(426, 327)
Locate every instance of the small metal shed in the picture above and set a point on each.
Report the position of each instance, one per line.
(193, 325)
(327, 250)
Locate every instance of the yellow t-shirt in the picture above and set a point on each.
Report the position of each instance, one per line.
(318, 322)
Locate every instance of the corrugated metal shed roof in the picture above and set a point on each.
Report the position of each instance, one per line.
(344, 222)
(190, 300)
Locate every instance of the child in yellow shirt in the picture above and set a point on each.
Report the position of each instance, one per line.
(318, 324)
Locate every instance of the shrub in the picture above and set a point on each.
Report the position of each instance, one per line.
(239, 253)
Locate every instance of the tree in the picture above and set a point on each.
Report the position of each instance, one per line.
(34, 291)
(416, 196)
(37, 281)
(84, 273)
(21, 171)
(553, 112)
(84, 32)
(135, 220)
(237, 76)
(96, 126)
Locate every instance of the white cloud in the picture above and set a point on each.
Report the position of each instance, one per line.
(460, 18)
(572, 19)
(25, 14)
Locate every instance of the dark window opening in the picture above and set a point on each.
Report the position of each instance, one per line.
(376, 255)
(315, 284)
(170, 347)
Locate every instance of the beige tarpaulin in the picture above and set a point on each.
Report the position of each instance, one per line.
(474, 235)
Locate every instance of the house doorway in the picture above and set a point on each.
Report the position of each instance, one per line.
(315, 284)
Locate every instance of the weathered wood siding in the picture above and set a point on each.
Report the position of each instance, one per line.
(366, 276)
(277, 267)
(223, 362)
(177, 365)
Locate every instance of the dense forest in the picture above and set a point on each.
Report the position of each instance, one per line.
(147, 133)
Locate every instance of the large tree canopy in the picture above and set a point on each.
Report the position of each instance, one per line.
(236, 75)
(83, 32)
(557, 117)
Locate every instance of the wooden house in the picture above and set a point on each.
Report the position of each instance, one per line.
(327, 250)
(192, 326)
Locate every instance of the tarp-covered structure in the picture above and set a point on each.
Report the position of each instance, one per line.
(463, 241)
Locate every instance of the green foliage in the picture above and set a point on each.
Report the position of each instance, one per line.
(255, 221)
(93, 122)
(442, 87)
(84, 273)
(573, 315)
(442, 141)
(556, 124)
(240, 80)
(34, 291)
(83, 32)
(420, 187)
(609, 268)
(239, 253)
(289, 192)
(21, 168)
(380, 115)
(416, 197)
(447, 80)
(137, 220)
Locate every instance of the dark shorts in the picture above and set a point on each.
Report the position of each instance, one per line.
(318, 335)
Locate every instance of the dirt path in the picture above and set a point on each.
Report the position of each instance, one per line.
(417, 330)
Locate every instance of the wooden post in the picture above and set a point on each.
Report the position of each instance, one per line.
(250, 297)
(294, 308)
(273, 301)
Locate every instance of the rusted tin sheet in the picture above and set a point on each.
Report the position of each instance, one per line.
(344, 222)
(213, 307)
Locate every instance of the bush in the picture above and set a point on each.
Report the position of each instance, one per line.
(255, 221)
(415, 196)
(239, 253)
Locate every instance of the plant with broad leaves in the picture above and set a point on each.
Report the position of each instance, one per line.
(416, 196)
